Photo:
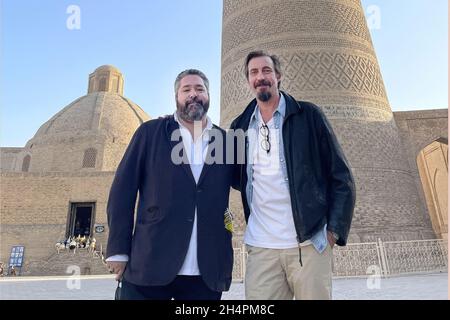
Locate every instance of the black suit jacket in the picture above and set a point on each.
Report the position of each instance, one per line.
(168, 196)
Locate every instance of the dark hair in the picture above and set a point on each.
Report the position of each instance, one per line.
(261, 53)
(187, 72)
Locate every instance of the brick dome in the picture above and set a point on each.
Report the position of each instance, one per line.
(103, 120)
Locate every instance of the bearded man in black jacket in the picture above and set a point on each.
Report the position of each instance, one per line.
(296, 186)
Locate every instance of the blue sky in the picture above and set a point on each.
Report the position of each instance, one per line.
(45, 66)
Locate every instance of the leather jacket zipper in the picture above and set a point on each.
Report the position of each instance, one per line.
(293, 202)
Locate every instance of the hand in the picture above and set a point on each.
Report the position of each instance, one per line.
(331, 239)
(116, 267)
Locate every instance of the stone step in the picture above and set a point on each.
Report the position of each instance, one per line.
(68, 262)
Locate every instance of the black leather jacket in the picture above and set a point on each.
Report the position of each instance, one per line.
(321, 184)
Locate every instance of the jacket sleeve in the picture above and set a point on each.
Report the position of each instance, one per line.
(123, 193)
(341, 195)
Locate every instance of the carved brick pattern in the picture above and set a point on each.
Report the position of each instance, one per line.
(90, 156)
(383, 151)
(236, 88)
(286, 43)
(231, 6)
(381, 201)
(312, 71)
(277, 18)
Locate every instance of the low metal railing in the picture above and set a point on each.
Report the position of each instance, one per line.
(385, 258)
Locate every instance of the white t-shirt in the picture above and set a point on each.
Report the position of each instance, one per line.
(196, 152)
(271, 224)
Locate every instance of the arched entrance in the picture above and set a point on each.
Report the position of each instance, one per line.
(81, 219)
(432, 162)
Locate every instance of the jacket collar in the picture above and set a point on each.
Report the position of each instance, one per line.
(281, 109)
(171, 124)
(292, 107)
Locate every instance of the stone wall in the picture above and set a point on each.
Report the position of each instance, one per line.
(418, 130)
(10, 159)
(35, 208)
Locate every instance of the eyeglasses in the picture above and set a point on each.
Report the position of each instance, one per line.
(265, 144)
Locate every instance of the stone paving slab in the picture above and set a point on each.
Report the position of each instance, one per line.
(422, 287)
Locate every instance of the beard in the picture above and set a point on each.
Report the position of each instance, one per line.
(192, 110)
(264, 95)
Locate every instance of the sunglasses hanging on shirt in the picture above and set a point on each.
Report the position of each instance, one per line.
(265, 143)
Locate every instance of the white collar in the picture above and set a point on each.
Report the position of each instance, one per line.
(205, 132)
(209, 124)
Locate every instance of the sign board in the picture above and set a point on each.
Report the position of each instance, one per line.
(16, 258)
(99, 228)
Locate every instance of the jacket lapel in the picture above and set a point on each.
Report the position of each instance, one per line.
(171, 126)
(208, 160)
(292, 106)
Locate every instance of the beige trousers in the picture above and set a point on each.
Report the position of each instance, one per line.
(276, 274)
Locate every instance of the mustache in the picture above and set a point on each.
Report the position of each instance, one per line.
(263, 83)
(194, 100)
(192, 109)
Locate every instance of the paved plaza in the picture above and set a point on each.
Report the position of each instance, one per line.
(421, 287)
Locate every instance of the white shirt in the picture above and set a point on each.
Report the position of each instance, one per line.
(271, 223)
(196, 152)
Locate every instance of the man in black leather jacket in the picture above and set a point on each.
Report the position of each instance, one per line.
(297, 190)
